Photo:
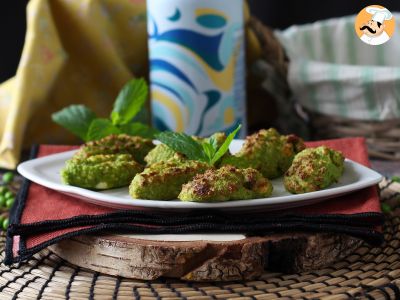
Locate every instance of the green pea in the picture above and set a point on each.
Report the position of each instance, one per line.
(10, 202)
(2, 201)
(8, 177)
(2, 218)
(396, 178)
(9, 195)
(3, 190)
(5, 223)
(386, 208)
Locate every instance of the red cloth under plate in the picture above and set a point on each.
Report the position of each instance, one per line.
(45, 204)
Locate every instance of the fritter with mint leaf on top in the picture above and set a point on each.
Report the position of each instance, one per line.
(163, 180)
(162, 152)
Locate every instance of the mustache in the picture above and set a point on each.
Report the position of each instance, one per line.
(368, 28)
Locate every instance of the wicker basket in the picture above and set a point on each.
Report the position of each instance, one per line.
(269, 99)
(268, 92)
(383, 137)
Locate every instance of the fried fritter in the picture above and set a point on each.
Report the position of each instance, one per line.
(226, 183)
(136, 146)
(268, 152)
(314, 169)
(100, 172)
(164, 180)
(163, 153)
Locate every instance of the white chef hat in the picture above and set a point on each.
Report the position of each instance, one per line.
(379, 14)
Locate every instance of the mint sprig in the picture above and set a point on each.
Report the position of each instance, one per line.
(205, 151)
(75, 118)
(84, 123)
(129, 102)
(183, 143)
(139, 129)
(100, 128)
(225, 146)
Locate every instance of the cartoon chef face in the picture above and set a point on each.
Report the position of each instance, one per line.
(373, 28)
(376, 26)
(373, 31)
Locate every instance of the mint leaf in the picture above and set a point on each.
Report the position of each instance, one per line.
(75, 118)
(125, 117)
(100, 128)
(140, 129)
(208, 150)
(213, 142)
(129, 101)
(225, 146)
(183, 143)
(205, 151)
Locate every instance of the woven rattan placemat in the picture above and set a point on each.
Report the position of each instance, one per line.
(368, 273)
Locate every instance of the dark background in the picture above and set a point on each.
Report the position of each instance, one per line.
(275, 13)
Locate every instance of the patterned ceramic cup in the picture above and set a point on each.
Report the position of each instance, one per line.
(197, 67)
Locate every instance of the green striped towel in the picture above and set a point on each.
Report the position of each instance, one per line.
(333, 72)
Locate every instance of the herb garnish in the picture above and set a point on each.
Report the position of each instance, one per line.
(206, 151)
(82, 121)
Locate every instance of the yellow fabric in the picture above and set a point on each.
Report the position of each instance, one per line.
(76, 51)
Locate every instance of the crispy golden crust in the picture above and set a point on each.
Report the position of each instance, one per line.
(314, 169)
(164, 180)
(136, 146)
(268, 152)
(227, 183)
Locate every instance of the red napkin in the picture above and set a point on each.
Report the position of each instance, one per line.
(38, 204)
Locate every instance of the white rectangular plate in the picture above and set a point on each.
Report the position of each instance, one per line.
(46, 171)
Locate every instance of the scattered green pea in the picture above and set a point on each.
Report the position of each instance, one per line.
(386, 208)
(10, 202)
(5, 223)
(3, 190)
(8, 177)
(396, 178)
(9, 195)
(2, 201)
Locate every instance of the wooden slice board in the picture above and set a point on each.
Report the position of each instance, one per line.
(204, 257)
